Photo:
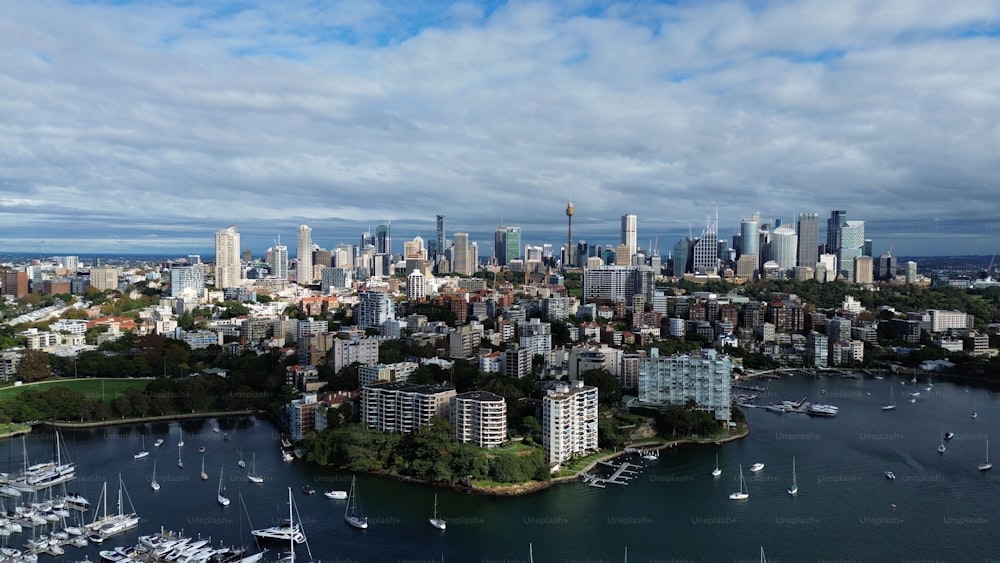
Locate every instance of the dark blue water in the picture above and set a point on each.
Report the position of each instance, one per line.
(939, 507)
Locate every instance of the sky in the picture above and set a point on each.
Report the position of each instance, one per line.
(147, 126)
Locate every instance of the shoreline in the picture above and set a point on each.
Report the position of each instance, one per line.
(146, 419)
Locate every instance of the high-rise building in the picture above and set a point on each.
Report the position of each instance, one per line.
(706, 250)
(104, 279)
(227, 258)
(507, 245)
(852, 241)
(14, 283)
(277, 259)
(911, 272)
(833, 225)
(303, 253)
(439, 244)
(374, 309)
(808, 231)
(885, 267)
(416, 286)
(705, 379)
(749, 235)
(383, 239)
(186, 280)
(629, 234)
(463, 258)
(569, 421)
(784, 244)
(681, 258)
(569, 259)
(863, 270)
(480, 418)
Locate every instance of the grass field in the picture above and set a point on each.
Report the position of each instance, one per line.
(98, 388)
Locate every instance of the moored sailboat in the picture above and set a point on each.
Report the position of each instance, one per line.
(438, 523)
(742, 494)
(352, 513)
(223, 499)
(794, 489)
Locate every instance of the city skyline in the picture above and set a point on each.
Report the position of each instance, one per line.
(136, 127)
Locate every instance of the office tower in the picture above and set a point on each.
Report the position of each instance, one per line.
(247, 255)
(581, 254)
(71, 263)
(911, 272)
(629, 234)
(808, 231)
(863, 270)
(439, 243)
(680, 257)
(303, 253)
(569, 258)
(104, 279)
(706, 250)
(196, 258)
(383, 239)
(507, 244)
(463, 260)
(866, 248)
(885, 268)
(764, 244)
(278, 261)
(852, 240)
(833, 225)
(474, 255)
(784, 244)
(414, 248)
(367, 240)
(14, 283)
(622, 255)
(750, 235)
(227, 258)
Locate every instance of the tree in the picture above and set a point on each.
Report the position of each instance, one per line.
(34, 366)
(609, 392)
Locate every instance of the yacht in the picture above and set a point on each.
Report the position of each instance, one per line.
(742, 494)
(352, 514)
(986, 466)
(890, 475)
(716, 472)
(158, 442)
(949, 435)
(438, 523)
(286, 531)
(757, 467)
(336, 495)
(142, 453)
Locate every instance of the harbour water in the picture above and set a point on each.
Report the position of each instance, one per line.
(939, 507)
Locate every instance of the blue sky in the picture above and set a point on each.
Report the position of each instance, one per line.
(147, 126)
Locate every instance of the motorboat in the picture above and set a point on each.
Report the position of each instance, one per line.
(336, 495)
(890, 475)
(757, 467)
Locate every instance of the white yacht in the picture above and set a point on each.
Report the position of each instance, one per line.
(283, 532)
(757, 467)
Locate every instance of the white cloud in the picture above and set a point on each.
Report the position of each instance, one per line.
(344, 116)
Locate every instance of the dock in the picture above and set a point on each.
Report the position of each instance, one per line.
(621, 474)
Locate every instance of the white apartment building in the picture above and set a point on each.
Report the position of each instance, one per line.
(399, 372)
(374, 309)
(39, 340)
(396, 406)
(480, 418)
(943, 321)
(363, 351)
(705, 378)
(536, 336)
(569, 421)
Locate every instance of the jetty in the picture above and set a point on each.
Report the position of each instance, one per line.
(621, 474)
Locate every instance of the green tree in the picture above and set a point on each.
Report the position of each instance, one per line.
(34, 366)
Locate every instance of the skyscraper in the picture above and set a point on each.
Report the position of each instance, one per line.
(629, 234)
(278, 261)
(852, 242)
(507, 244)
(227, 258)
(463, 260)
(749, 229)
(569, 259)
(784, 243)
(303, 253)
(383, 239)
(439, 244)
(808, 230)
(833, 226)
(706, 250)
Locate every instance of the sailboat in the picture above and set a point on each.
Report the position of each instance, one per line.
(986, 466)
(914, 394)
(929, 384)
(109, 525)
(223, 499)
(180, 444)
(204, 476)
(253, 476)
(152, 483)
(716, 472)
(142, 452)
(742, 494)
(794, 489)
(438, 523)
(892, 400)
(180, 462)
(941, 448)
(241, 463)
(974, 413)
(352, 514)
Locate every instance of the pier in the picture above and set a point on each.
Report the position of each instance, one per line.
(620, 476)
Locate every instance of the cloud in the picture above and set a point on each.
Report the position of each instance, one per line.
(172, 120)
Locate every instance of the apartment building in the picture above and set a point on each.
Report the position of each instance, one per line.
(395, 406)
(569, 421)
(480, 418)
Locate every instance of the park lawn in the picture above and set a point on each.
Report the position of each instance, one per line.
(105, 389)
